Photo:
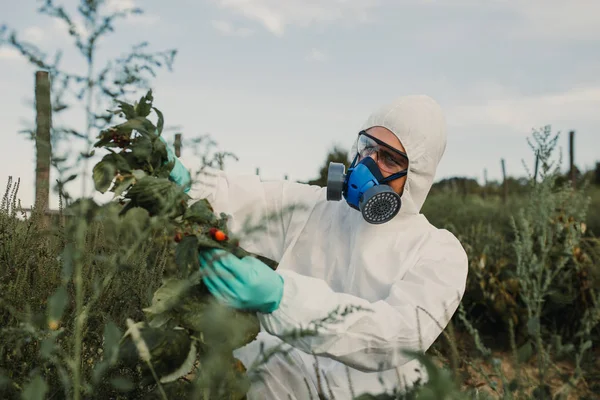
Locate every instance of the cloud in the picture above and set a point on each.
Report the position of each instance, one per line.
(563, 20)
(574, 19)
(120, 5)
(61, 27)
(8, 53)
(227, 28)
(276, 15)
(34, 34)
(521, 113)
(142, 19)
(558, 19)
(538, 19)
(317, 55)
(133, 19)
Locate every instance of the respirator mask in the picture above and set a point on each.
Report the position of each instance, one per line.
(364, 187)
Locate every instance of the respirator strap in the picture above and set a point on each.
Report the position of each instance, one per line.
(354, 161)
(392, 177)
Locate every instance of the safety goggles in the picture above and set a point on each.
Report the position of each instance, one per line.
(388, 159)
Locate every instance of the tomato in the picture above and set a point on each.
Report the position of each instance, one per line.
(220, 236)
(178, 237)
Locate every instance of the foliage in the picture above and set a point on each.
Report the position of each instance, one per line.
(337, 155)
(96, 85)
(536, 289)
(179, 326)
(182, 320)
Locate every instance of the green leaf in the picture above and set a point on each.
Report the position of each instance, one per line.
(533, 326)
(160, 155)
(4, 381)
(200, 212)
(47, 348)
(222, 223)
(57, 303)
(586, 346)
(158, 195)
(120, 187)
(122, 384)
(144, 106)
(160, 320)
(161, 121)
(118, 160)
(36, 389)
(138, 174)
(103, 174)
(164, 171)
(67, 261)
(70, 178)
(140, 124)
(88, 155)
(186, 253)
(207, 242)
(525, 352)
(167, 296)
(127, 109)
(104, 139)
(141, 148)
(112, 335)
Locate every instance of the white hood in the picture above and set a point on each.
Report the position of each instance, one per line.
(419, 124)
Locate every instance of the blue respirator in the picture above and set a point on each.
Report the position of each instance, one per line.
(364, 189)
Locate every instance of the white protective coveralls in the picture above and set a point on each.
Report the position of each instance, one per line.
(330, 257)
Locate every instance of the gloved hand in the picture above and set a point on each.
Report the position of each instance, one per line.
(179, 174)
(245, 283)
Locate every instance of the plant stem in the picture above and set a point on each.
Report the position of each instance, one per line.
(79, 317)
(90, 117)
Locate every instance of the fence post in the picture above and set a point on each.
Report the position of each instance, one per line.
(504, 182)
(43, 147)
(537, 166)
(572, 158)
(485, 184)
(177, 145)
(597, 173)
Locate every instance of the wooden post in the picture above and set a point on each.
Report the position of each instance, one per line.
(485, 184)
(177, 145)
(537, 166)
(572, 158)
(257, 171)
(285, 177)
(597, 173)
(504, 182)
(43, 147)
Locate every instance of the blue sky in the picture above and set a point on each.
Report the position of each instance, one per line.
(279, 82)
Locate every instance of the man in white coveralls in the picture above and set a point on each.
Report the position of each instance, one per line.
(374, 250)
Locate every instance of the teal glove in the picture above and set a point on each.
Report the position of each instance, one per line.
(245, 283)
(179, 174)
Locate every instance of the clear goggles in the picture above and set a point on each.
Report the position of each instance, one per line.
(388, 159)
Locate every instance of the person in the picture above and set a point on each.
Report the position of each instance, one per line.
(406, 276)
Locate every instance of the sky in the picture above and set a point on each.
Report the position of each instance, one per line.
(280, 82)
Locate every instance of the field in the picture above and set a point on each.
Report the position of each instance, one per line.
(528, 326)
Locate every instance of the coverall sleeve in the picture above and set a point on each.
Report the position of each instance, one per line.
(251, 202)
(373, 340)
